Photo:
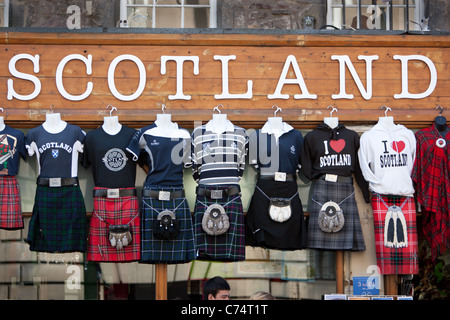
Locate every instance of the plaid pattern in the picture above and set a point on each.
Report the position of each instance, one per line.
(229, 246)
(179, 250)
(431, 174)
(114, 211)
(262, 230)
(395, 260)
(350, 237)
(10, 203)
(58, 222)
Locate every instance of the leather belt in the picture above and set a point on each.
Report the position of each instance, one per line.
(279, 176)
(217, 193)
(114, 193)
(163, 195)
(56, 182)
(336, 178)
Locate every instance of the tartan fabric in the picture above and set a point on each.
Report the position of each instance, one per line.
(395, 260)
(179, 250)
(229, 246)
(350, 237)
(262, 231)
(114, 211)
(431, 176)
(10, 203)
(58, 222)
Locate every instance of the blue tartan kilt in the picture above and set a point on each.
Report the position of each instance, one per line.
(58, 222)
(178, 250)
(226, 247)
(350, 237)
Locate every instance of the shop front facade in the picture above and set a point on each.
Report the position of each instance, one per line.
(303, 62)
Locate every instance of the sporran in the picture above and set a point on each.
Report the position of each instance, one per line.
(331, 218)
(280, 209)
(120, 235)
(166, 226)
(215, 221)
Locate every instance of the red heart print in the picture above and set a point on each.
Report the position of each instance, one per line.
(337, 145)
(398, 146)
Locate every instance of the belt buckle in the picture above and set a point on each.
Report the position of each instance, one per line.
(164, 195)
(112, 193)
(216, 194)
(280, 176)
(54, 182)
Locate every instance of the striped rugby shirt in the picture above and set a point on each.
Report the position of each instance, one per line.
(218, 158)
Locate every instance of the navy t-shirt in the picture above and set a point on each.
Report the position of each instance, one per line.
(268, 155)
(12, 147)
(56, 153)
(165, 157)
(112, 165)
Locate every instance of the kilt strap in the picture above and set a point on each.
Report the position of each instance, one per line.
(217, 193)
(341, 179)
(115, 193)
(163, 195)
(56, 182)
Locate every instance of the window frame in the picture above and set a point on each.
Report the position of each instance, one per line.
(124, 22)
(5, 6)
(420, 24)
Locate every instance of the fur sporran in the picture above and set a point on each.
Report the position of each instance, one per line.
(166, 226)
(331, 219)
(215, 221)
(280, 209)
(120, 235)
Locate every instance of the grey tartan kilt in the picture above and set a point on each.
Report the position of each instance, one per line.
(179, 250)
(350, 237)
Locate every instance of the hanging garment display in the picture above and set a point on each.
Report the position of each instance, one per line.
(395, 234)
(114, 228)
(227, 242)
(329, 158)
(275, 216)
(387, 155)
(12, 147)
(167, 234)
(218, 159)
(58, 221)
(431, 174)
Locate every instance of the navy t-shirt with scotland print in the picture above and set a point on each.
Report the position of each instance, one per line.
(56, 153)
(112, 165)
(12, 147)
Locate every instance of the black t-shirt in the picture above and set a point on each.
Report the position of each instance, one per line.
(112, 165)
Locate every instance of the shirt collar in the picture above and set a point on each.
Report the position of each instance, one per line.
(229, 127)
(267, 129)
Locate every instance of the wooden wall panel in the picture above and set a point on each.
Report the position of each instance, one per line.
(259, 58)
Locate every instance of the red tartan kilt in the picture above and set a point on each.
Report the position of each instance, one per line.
(114, 211)
(396, 260)
(10, 203)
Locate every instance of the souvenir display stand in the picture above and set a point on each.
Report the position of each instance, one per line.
(244, 73)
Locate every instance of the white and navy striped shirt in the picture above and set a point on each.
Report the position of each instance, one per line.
(218, 157)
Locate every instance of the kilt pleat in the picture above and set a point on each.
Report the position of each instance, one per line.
(395, 260)
(58, 222)
(114, 211)
(350, 237)
(10, 204)
(226, 247)
(262, 231)
(179, 250)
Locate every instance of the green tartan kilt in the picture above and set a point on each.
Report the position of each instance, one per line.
(58, 222)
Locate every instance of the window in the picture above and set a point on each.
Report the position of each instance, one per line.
(377, 14)
(4, 13)
(168, 13)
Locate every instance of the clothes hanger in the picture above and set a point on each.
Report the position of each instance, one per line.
(387, 109)
(112, 109)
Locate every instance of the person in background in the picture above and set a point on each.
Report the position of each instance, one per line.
(216, 288)
(262, 295)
